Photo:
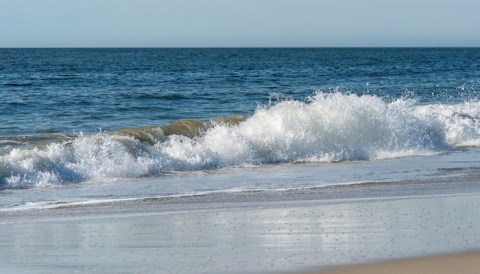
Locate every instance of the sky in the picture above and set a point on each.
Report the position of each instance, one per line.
(239, 23)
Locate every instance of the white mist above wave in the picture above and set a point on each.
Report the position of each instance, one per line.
(324, 128)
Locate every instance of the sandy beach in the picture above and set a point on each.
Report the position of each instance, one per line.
(281, 232)
(466, 263)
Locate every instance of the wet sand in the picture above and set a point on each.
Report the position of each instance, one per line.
(282, 232)
(465, 263)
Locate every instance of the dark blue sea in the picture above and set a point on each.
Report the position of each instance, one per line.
(78, 125)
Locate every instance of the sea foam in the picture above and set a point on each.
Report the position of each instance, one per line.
(326, 127)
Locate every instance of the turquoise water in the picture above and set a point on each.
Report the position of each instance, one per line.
(93, 124)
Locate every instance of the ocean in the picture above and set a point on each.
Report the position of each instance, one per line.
(87, 126)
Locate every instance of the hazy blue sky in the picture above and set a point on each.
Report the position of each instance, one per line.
(227, 23)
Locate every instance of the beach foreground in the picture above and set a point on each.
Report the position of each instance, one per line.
(259, 232)
(466, 263)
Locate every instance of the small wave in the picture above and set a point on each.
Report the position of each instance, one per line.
(61, 204)
(230, 194)
(199, 196)
(188, 128)
(327, 127)
(152, 96)
(62, 77)
(28, 84)
(37, 141)
(168, 96)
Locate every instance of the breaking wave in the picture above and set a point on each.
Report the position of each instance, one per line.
(326, 127)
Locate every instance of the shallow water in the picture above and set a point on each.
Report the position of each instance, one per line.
(441, 174)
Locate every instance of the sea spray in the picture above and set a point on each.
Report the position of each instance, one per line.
(325, 127)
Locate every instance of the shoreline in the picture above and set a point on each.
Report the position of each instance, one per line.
(453, 185)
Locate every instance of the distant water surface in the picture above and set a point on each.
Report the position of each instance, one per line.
(85, 90)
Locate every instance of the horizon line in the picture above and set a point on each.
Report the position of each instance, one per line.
(243, 47)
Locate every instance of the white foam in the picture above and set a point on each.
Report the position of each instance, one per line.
(325, 127)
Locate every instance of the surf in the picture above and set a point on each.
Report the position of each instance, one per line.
(325, 127)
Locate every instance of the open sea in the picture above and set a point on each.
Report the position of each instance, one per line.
(82, 126)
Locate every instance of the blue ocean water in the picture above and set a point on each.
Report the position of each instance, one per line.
(94, 116)
(85, 90)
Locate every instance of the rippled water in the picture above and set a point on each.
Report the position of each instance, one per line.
(85, 90)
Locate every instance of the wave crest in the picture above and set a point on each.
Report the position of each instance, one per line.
(325, 127)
